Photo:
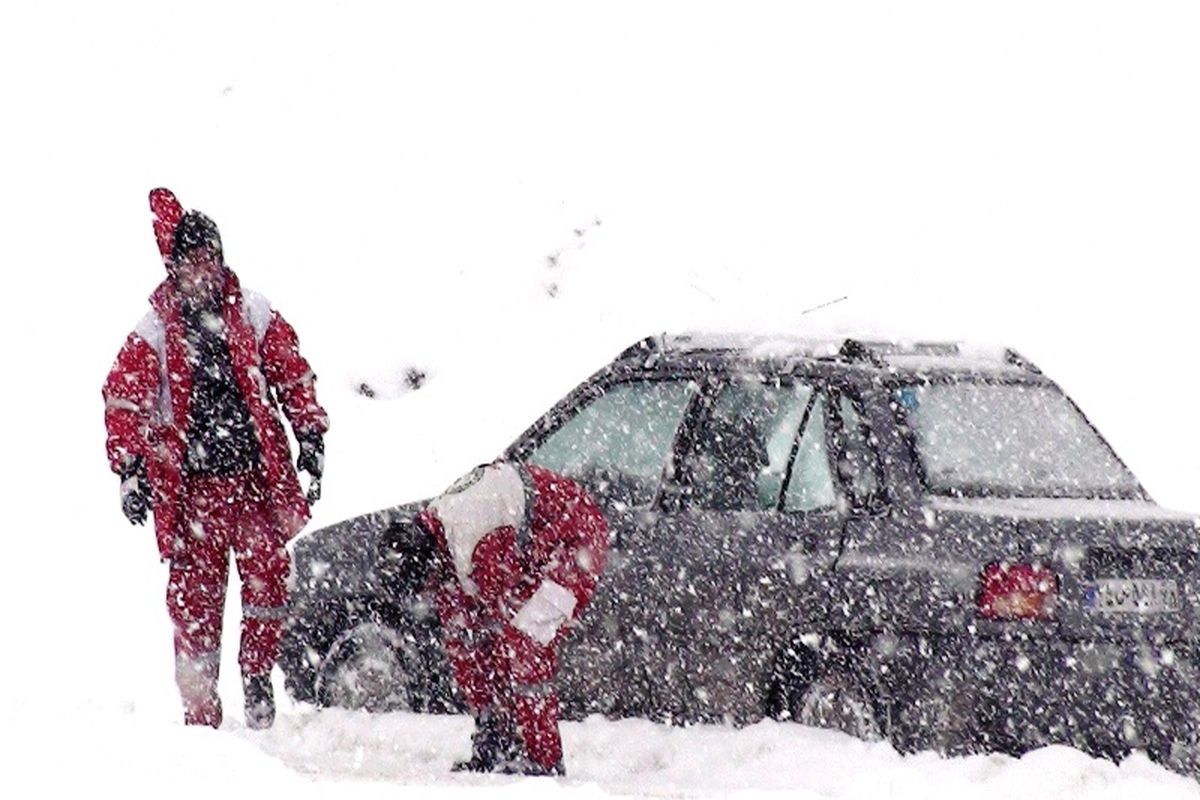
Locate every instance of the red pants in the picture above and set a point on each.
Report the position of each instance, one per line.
(219, 514)
(498, 667)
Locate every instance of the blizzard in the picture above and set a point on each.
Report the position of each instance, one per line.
(467, 208)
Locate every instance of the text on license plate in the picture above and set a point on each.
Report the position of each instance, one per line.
(1138, 595)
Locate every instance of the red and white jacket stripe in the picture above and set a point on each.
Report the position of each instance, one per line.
(521, 542)
(148, 393)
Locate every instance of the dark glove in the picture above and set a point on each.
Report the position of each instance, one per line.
(135, 492)
(312, 454)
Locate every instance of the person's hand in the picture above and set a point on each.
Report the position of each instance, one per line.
(135, 492)
(312, 454)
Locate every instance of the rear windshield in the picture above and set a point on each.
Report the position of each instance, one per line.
(1009, 439)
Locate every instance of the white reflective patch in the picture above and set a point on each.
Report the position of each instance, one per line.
(121, 404)
(260, 381)
(307, 377)
(154, 333)
(265, 612)
(496, 500)
(544, 689)
(541, 617)
(258, 311)
(202, 661)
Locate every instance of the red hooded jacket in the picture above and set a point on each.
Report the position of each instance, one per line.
(520, 544)
(148, 393)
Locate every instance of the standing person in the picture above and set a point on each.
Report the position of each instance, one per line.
(192, 412)
(516, 552)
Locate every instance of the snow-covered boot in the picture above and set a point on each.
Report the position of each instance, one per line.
(493, 744)
(197, 681)
(260, 701)
(524, 765)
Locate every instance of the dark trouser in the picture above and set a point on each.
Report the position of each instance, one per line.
(219, 514)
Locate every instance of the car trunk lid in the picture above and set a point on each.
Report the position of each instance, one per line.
(1128, 569)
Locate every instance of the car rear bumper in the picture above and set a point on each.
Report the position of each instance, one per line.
(1014, 694)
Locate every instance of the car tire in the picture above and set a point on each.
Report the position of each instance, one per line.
(307, 635)
(836, 698)
(371, 667)
(1178, 756)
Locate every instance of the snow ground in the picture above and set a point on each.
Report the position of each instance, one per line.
(506, 195)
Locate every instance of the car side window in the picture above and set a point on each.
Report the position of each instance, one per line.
(618, 444)
(810, 482)
(858, 466)
(741, 452)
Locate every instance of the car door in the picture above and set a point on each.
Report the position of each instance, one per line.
(615, 440)
(878, 580)
(750, 522)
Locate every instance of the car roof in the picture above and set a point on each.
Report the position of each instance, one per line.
(785, 353)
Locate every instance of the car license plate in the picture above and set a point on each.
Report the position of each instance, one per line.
(1136, 595)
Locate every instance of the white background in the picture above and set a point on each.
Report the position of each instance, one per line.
(396, 177)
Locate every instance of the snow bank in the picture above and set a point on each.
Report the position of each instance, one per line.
(335, 752)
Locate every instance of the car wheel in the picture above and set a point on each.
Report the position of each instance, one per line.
(369, 667)
(838, 700)
(307, 635)
(1177, 756)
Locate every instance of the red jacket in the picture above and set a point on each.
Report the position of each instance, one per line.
(149, 388)
(511, 540)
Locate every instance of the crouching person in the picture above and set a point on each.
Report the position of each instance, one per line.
(516, 551)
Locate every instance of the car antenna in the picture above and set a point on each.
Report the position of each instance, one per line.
(826, 304)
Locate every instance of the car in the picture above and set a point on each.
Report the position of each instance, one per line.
(927, 543)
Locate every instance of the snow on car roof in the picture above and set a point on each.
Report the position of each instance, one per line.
(897, 353)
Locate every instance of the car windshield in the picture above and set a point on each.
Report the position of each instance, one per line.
(1009, 439)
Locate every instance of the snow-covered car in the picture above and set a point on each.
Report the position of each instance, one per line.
(928, 543)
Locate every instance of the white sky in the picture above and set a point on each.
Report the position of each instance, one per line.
(394, 176)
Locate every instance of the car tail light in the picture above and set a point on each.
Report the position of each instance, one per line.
(1017, 591)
